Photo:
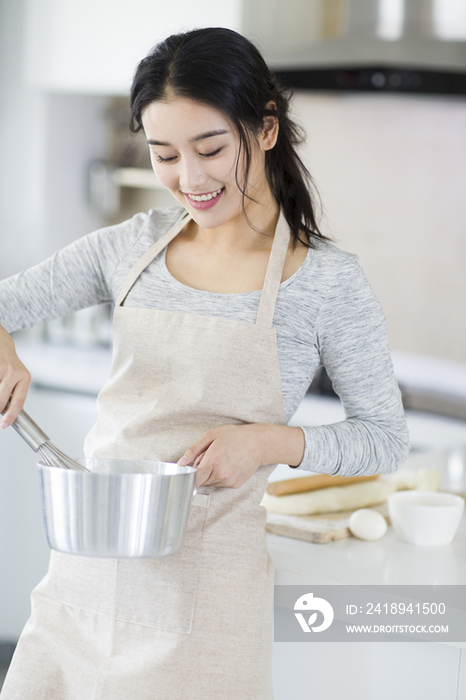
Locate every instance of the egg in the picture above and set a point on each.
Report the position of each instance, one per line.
(367, 524)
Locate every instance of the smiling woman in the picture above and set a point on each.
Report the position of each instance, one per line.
(245, 100)
(205, 171)
(225, 307)
(195, 164)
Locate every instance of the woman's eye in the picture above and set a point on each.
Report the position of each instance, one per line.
(204, 155)
(214, 153)
(163, 160)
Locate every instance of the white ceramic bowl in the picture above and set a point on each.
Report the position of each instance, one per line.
(425, 517)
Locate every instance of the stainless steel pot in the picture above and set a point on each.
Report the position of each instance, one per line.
(120, 508)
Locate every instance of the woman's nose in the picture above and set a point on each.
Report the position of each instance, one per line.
(191, 174)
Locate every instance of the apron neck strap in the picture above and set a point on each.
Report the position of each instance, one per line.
(150, 254)
(273, 275)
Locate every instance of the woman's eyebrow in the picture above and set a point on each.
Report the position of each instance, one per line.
(207, 135)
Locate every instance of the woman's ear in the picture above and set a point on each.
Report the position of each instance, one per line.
(269, 133)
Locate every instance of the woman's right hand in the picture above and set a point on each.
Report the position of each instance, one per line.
(14, 380)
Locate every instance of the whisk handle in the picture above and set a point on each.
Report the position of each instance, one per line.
(29, 431)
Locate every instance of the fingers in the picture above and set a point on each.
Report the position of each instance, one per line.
(224, 456)
(14, 383)
(207, 468)
(198, 459)
(197, 449)
(211, 471)
(194, 455)
(17, 399)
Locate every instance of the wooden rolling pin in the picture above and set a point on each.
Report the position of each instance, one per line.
(310, 483)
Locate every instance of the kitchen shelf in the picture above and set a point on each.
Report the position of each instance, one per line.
(106, 182)
(142, 178)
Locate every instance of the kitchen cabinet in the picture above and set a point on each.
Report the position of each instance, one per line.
(462, 678)
(93, 46)
(367, 671)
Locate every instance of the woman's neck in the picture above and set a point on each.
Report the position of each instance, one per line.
(246, 232)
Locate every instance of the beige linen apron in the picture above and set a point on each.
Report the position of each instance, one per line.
(197, 624)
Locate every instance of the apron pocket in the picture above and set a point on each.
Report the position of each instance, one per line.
(82, 582)
(161, 593)
(158, 593)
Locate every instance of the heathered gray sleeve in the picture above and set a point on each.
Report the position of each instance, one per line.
(352, 339)
(75, 277)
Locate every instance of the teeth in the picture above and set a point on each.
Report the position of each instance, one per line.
(205, 197)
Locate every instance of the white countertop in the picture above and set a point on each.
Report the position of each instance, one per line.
(79, 369)
(387, 561)
(384, 562)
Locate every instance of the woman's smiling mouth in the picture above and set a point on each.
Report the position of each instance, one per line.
(204, 201)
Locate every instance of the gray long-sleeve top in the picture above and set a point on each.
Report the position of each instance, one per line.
(326, 314)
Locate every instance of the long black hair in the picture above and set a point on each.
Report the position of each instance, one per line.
(221, 68)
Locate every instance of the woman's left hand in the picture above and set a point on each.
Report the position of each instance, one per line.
(229, 455)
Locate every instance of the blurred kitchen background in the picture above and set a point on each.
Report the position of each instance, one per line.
(380, 89)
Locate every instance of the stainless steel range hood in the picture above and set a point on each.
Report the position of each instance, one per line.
(369, 45)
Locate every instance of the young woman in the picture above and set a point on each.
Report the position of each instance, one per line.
(225, 306)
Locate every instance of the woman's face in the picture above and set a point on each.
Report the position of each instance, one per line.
(194, 150)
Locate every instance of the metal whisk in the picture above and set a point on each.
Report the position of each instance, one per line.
(40, 442)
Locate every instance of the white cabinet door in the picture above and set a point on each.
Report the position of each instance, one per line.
(24, 553)
(94, 46)
(365, 671)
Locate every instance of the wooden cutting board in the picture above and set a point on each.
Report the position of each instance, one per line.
(321, 528)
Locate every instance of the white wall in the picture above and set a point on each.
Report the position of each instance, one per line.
(76, 134)
(22, 141)
(46, 144)
(391, 170)
(93, 46)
